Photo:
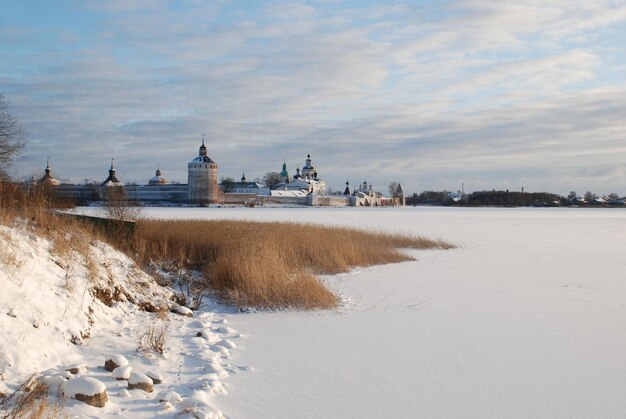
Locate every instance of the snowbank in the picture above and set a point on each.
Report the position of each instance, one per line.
(65, 315)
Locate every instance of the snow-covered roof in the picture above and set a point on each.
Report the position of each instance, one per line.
(202, 155)
(158, 179)
(202, 159)
(282, 192)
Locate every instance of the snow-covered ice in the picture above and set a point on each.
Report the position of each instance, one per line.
(524, 319)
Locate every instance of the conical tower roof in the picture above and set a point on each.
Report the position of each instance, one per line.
(112, 180)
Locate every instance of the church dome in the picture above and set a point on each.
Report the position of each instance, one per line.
(308, 170)
(48, 178)
(157, 179)
(308, 165)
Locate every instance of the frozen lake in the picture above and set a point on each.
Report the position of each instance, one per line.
(525, 319)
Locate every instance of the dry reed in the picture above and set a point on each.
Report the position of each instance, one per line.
(270, 264)
(31, 401)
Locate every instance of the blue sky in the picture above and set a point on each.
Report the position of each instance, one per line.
(495, 94)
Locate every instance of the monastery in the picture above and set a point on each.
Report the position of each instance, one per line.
(203, 188)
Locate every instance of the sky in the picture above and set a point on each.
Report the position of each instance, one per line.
(433, 94)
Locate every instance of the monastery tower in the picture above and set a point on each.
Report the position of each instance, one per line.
(202, 179)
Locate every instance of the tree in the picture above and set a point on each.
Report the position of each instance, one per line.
(122, 214)
(12, 138)
(118, 207)
(393, 187)
(590, 196)
(613, 196)
(572, 195)
(271, 179)
(228, 184)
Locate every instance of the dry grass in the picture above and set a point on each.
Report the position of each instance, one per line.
(155, 336)
(270, 265)
(8, 257)
(31, 400)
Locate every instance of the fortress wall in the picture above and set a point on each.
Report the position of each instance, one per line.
(291, 200)
(328, 201)
(374, 202)
(241, 199)
(81, 194)
(215, 195)
(175, 193)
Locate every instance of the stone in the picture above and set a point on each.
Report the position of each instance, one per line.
(155, 377)
(96, 400)
(78, 369)
(182, 310)
(115, 361)
(170, 396)
(121, 373)
(86, 389)
(140, 381)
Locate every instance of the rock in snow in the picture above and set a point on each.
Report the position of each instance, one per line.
(170, 396)
(87, 390)
(78, 369)
(183, 311)
(155, 377)
(121, 373)
(140, 381)
(115, 361)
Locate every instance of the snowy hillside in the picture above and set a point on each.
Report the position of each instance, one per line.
(75, 310)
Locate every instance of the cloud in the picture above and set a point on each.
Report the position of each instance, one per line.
(493, 92)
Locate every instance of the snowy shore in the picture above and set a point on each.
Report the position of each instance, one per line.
(524, 319)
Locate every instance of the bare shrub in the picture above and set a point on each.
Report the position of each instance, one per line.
(193, 287)
(155, 336)
(118, 207)
(270, 265)
(31, 400)
(122, 212)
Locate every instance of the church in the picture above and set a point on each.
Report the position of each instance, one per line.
(203, 188)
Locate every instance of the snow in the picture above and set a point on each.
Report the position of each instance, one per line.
(122, 373)
(53, 322)
(137, 377)
(86, 386)
(524, 319)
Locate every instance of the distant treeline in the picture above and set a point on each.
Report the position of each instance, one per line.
(498, 198)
